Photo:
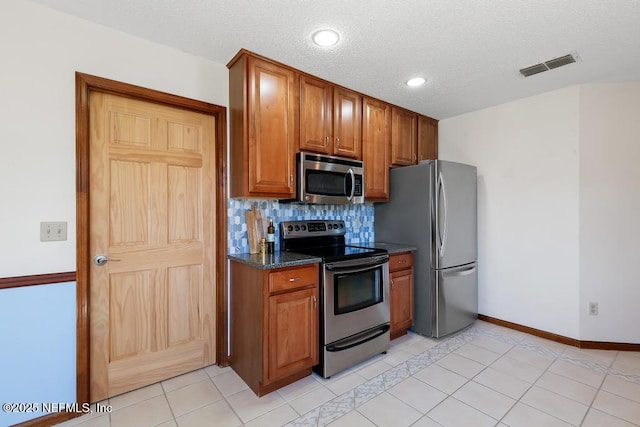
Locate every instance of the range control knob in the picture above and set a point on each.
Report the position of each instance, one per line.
(303, 227)
(335, 226)
(297, 227)
(290, 228)
(341, 225)
(330, 226)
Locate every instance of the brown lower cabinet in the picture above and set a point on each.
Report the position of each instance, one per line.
(274, 324)
(401, 290)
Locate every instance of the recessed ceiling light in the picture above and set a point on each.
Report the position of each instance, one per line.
(325, 38)
(416, 81)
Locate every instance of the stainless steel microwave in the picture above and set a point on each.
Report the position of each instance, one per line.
(329, 179)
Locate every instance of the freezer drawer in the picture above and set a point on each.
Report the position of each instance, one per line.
(455, 298)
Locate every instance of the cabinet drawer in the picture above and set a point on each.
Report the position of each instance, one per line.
(400, 261)
(292, 278)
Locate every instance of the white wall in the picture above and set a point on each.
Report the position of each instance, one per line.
(610, 211)
(558, 208)
(41, 51)
(526, 152)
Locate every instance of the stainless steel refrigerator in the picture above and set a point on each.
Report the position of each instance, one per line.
(433, 206)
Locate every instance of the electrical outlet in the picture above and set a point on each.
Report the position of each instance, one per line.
(593, 308)
(53, 231)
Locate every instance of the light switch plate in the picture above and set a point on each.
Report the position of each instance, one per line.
(53, 231)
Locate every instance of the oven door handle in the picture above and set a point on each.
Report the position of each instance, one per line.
(358, 339)
(359, 263)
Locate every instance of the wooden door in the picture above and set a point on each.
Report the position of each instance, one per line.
(152, 213)
(427, 138)
(347, 123)
(376, 132)
(401, 301)
(272, 136)
(293, 332)
(404, 137)
(315, 115)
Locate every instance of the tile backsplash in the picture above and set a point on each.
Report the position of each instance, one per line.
(358, 219)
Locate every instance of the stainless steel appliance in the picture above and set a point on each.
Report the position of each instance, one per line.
(433, 206)
(354, 292)
(329, 179)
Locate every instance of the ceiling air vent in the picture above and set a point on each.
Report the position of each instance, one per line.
(559, 62)
(534, 69)
(548, 65)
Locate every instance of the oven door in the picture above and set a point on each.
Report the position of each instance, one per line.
(355, 296)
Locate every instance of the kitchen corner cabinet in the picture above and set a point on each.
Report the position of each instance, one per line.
(330, 118)
(401, 293)
(376, 140)
(427, 138)
(274, 324)
(404, 137)
(263, 100)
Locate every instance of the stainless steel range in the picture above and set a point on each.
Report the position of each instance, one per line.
(354, 292)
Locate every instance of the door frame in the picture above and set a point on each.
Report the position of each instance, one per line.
(85, 84)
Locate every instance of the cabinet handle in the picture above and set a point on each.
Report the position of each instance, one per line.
(326, 141)
(415, 157)
(391, 282)
(337, 141)
(291, 179)
(315, 302)
(295, 279)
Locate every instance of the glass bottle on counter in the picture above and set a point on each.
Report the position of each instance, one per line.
(271, 237)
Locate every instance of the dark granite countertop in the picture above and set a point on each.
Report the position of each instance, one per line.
(279, 259)
(392, 248)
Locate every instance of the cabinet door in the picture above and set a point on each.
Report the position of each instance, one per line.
(272, 144)
(427, 138)
(293, 332)
(347, 123)
(404, 137)
(401, 301)
(376, 135)
(315, 115)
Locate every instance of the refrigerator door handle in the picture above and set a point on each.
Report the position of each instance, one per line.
(442, 231)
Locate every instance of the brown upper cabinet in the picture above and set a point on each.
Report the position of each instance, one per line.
(276, 111)
(376, 139)
(330, 118)
(264, 104)
(427, 138)
(404, 137)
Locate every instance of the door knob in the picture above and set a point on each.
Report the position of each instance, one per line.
(102, 259)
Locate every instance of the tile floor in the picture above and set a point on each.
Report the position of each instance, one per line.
(485, 375)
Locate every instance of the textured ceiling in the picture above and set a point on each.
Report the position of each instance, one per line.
(469, 50)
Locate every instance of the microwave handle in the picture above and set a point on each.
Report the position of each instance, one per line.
(353, 184)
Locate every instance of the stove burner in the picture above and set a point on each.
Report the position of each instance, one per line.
(321, 238)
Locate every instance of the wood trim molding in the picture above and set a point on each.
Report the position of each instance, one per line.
(37, 279)
(85, 84)
(48, 420)
(561, 339)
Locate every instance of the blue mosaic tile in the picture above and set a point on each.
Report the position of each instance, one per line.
(358, 218)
